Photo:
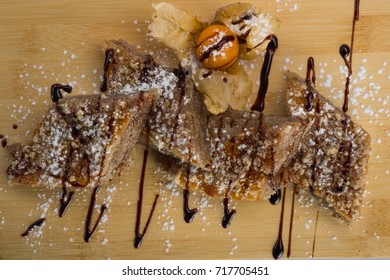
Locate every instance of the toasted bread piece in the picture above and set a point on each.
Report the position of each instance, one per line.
(247, 152)
(332, 161)
(176, 124)
(82, 141)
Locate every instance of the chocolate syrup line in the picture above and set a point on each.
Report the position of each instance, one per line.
(4, 142)
(315, 235)
(346, 53)
(218, 46)
(278, 249)
(55, 91)
(259, 103)
(227, 214)
(37, 223)
(291, 224)
(275, 198)
(138, 235)
(109, 56)
(65, 200)
(189, 214)
(181, 85)
(265, 71)
(310, 78)
(242, 19)
(88, 232)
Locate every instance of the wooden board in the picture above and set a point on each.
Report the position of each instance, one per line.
(43, 42)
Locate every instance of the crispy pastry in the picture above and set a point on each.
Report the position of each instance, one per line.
(233, 151)
(332, 161)
(247, 152)
(177, 121)
(82, 141)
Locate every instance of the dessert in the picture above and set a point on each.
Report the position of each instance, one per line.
(177, 121)
(223, 82)
(251, 26)
(332, 160)
(237, 151)
(247, 152)
(82, 141)
(217, 47)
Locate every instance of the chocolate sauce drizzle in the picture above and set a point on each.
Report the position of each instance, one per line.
(138, 235)
(216, 47)
(189, 214)
(56, 93)
(275, 197)
(227, 214)
(310, 78)
(265, 71)
(242, 19)
(291, 223)
(278, 249)
(181, 85)
(109, 58)
(346, 53)
(4, 142)
(88, 231)
(315, 235)
(37, 223)
(65, 200)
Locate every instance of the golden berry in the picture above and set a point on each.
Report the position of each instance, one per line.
(217, 47)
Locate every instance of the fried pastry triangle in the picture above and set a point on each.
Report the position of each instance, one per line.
(82, 141)
(332, 161)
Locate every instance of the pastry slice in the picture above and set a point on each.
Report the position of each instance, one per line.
(332, 160)
(247, 152)
(178, 118)
(82, 141)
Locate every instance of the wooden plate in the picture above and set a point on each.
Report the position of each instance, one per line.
(43, 42)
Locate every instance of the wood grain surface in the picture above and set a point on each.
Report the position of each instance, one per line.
(43, 42)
